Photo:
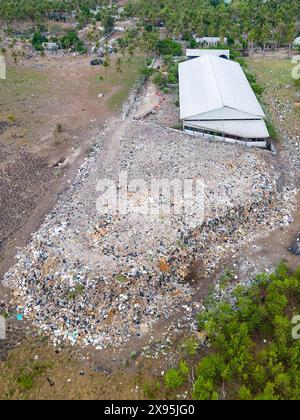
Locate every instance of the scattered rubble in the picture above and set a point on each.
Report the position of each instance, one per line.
(101, 279)
(167, 113)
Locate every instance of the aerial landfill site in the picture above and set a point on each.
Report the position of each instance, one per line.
(99, 279)
(149, 202)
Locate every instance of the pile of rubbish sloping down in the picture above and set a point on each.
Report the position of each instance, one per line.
(101, 279)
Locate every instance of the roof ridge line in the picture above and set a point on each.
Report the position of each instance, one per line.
(216, 79)
(246, 112)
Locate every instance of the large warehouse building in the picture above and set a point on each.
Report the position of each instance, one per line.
(217, 101)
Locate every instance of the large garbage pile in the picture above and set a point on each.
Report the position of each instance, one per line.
(102, 278)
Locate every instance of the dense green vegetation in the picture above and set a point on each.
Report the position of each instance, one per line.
(248, 22)
(167, 75)
(11, 10)
(252, 354)
(58, 10)
(168, 47)
(244, 21)
(71, 40)
(37, 41)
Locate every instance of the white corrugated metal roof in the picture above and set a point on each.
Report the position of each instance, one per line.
(210, 83)
(201, 53)
(222, 114)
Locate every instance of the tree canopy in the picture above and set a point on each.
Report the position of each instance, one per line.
(253, 21)
(11, 10)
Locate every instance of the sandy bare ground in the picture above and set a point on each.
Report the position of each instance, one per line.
(37, 160)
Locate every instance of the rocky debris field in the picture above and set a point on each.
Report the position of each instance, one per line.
(167, 114)
(102, 279)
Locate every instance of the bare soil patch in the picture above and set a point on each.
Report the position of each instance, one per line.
(50, 116)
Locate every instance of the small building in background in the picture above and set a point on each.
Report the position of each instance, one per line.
(210, 41)
(217, 102)
(191, 54)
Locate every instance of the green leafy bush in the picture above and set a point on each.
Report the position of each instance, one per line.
(37, 41)
(190, 346)
(71, 41)
(160, 80)
(297, 83)
(175, 378)
(254, 356)
(272, 130)
(169, 47)
(204, 390)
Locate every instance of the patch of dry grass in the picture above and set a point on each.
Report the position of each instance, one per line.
(276, 76)
(117, 85)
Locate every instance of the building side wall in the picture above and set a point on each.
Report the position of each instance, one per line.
(260, 143)
(243, 129)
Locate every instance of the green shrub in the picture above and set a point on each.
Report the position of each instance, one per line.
(226, 278)
(26, 381)
(167, 47)
(148, 71)
(184, 369)
(37, 41)
(12, 118)
(71, 41)
(160, 80)
(257, 89)
(204, 390)
(75, 292)
(272, 130)
(29, 374)
(174, 379)
(190, 346)
(252, 342)
(245, 394)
